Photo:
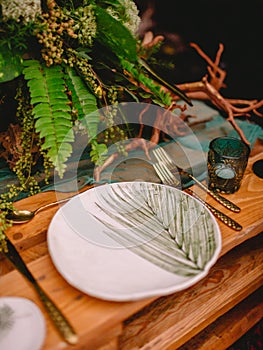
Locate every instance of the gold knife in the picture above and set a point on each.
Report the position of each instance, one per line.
(227, 220)
(62, 324)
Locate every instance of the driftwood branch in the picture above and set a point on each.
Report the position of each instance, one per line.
(208, 88)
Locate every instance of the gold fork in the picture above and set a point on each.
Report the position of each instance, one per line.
(164, 159)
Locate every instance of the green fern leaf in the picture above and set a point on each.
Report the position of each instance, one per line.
(51, 110)
(174, 89)
(98, 152)
(41, 109)
(85, 103)
(39, 99)
(160, 97)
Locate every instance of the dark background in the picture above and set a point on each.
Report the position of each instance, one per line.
(238, 25)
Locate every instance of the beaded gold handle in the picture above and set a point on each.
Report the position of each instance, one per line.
(225, 202)
(62, 324)
(221, 216)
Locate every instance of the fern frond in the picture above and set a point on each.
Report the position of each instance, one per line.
(158, 95)
(51, 110)
(173, 89)
(84, 102)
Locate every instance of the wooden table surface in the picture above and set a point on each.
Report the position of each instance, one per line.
(228, 298)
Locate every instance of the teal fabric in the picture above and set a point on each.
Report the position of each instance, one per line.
(189, 152)
(217, 126)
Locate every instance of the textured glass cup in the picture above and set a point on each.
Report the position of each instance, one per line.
(227, 161)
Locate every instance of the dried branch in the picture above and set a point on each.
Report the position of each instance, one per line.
(133, 144)
(210, 90)
(217, 75)
(206, 89)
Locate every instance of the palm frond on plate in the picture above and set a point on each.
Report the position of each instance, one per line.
(161, 224)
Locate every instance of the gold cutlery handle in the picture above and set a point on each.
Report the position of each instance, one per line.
(61, 323)
(217, 213)
(225, 202)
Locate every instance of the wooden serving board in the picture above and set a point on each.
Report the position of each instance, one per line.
(155, 323)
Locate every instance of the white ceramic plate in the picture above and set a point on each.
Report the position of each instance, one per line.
(132, 240)
(22, 325)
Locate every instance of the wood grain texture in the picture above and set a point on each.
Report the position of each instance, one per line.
(231, 326)
(171, 321)
(156, 323)
(96, 321)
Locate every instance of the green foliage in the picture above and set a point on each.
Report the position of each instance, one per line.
(84, 102)
(173, 89)
(28, 151)
(49, 87)
(51, 110)
(159, 96)
(16, 36)
(98, 152)
(112, 34)
(5, 206)
(14, 40)
(10, 64)
(76, 56)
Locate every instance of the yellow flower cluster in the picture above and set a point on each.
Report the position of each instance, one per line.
(55, 25)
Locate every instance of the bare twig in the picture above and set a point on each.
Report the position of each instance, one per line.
(208, 88)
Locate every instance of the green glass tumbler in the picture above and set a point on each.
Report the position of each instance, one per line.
(227, 161)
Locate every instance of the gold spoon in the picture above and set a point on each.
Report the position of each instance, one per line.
(21, 216)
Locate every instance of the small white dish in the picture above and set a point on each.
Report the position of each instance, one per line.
(22, 325)
(132, 240)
